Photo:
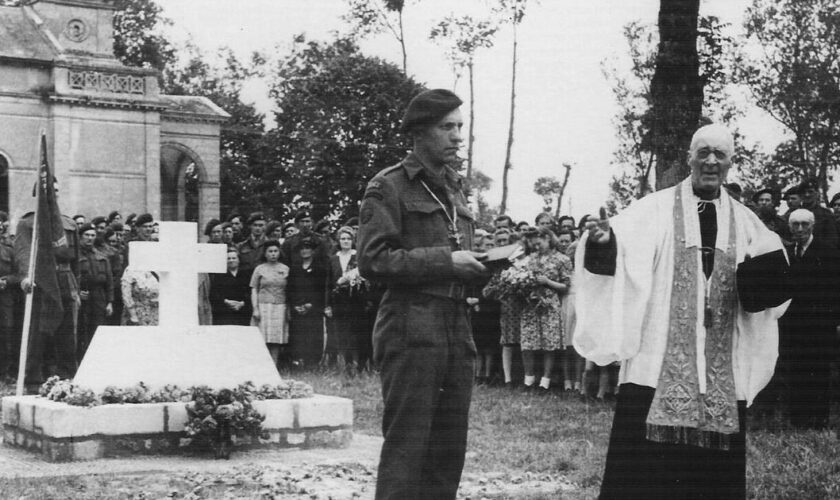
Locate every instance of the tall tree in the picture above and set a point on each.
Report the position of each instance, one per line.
(337, 125)
(634, 158)
(367, 17)
(795, 76)
(676, 90)
(137, 37)
(465, 36)
(512, 11)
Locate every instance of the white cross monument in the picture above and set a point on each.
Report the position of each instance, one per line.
(178, 351)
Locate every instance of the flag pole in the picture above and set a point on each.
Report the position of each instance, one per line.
(30, 274)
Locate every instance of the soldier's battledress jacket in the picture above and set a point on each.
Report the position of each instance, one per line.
(405, 241)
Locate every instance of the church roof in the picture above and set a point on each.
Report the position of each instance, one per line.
(20, 39)
(192, 107)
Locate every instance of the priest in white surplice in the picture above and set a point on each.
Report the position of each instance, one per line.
(684, 288)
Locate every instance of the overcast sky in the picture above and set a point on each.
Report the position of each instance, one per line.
(564, 106)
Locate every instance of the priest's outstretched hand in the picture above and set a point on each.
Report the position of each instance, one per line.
(599, 230)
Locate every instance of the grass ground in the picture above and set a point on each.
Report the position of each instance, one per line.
(513, 435)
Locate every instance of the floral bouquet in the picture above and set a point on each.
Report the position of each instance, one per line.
(353, 280)
(519, 283)
(215, 416)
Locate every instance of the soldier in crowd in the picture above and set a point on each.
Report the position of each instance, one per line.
(415, 237)
(249, 249)
(52, 333)
(96, 289)
(766, 202)
(9, 282)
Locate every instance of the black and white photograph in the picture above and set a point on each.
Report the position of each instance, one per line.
(420, 249)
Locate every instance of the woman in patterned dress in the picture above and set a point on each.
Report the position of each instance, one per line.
(140, 291)
(268, 299)
(540, 326)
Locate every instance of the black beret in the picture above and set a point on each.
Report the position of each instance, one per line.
(301, 214)
(808, 184)
(321, 225)
(98, 220)
(143, 219)
(131, 219)
(797, 190)
(87, 227)
(428, 107)
(208, 228)
(772, 192)
(254, 217)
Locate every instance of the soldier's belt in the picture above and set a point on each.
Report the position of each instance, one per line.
(452, 290)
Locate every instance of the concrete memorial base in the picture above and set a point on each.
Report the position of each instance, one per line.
(61, 433)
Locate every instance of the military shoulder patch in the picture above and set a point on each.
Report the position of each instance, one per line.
(374, 189)
(366, 215)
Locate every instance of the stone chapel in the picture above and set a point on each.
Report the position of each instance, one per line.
(116, 142)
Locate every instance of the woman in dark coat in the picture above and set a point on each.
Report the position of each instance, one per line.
(346, 305)
(230, 293)
(306, 295)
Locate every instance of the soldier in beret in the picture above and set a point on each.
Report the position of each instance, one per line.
(291, 245)
(825, 229)
(415, 237)
(766, 201)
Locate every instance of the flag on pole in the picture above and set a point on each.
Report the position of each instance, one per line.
(48, 236)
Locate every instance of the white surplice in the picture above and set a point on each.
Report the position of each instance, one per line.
(625, 317)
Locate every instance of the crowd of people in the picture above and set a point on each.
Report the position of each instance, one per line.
(299, 283)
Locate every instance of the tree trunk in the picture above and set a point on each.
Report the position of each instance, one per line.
(503, 206)
(568, 167)
(676, 90)
(470, 136)
(402, 43)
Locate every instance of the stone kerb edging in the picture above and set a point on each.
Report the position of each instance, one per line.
(61, 432)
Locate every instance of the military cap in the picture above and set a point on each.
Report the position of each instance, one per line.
(797, 190)
(98, 220)
(86, 227)
(834, 198)
(208, 228)
(428, 107)
(808, 184)
(301, 214)
(254, 217)
(772, 192)
(143, 219)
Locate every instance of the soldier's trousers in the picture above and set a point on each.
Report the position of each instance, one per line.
(424, 349)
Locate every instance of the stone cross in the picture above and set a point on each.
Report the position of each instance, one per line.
(178, 258)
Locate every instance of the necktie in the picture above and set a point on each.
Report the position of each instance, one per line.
(798, 251)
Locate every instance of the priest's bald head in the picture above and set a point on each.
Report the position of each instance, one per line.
(710, 156)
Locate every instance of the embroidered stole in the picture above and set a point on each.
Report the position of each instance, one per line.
(679, 413)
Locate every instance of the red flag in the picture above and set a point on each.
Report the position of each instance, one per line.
(49, 236)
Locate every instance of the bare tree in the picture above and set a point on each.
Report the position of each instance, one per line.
(512, 11)
(464, 36)
(368, 17)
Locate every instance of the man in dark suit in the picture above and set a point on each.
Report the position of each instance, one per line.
(808, 339)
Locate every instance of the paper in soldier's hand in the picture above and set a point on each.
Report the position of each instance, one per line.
(501, 257)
